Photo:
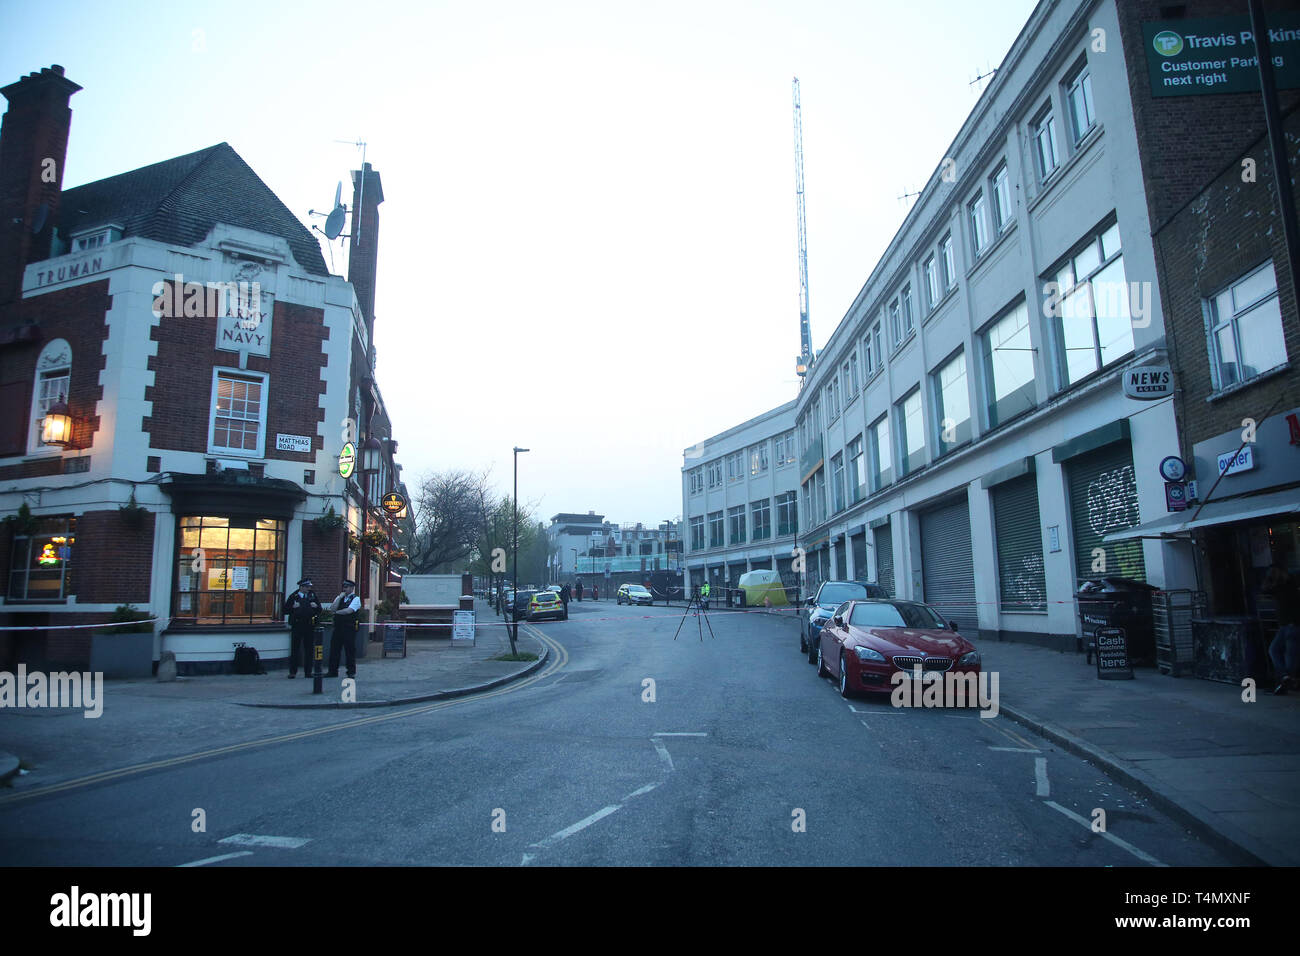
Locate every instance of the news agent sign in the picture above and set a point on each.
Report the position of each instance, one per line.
(1112, 654)
(1147, 383)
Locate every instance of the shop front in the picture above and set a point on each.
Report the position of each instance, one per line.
(230, 568)
(1247, 520)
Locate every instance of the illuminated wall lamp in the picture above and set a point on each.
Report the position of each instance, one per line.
(56, 429)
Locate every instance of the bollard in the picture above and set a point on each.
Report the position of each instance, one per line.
(317, 677)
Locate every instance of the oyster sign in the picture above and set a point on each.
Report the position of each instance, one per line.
(1148, 382)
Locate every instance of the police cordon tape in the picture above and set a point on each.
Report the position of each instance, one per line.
(78, 627)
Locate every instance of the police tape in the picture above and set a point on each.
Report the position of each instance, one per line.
(79, 627)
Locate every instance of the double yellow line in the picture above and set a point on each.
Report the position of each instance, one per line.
(559, 658)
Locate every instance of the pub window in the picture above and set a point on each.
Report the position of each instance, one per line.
(1245, 325)
(229, 570)
(53, 376)
(40, 561)
(238, 412)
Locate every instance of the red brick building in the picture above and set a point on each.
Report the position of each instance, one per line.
(212, 371)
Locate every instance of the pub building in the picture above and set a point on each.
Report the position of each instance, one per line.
(179, 375)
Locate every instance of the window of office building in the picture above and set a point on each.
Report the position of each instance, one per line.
(1045, 152)
(758, 459)
(1000, 190)
(1008, 366)
(979, 224)
(697, 533)
(716, 527)
(736, 524)
(948, 256)
(882, 472)
(857, 475)
(905, 301)
(911, 438)
(1094, 327)
(933, 295)
(787, 513)
(837, 482)
(952, 403)
(760, 514)
(785, 453)
(1079, 96)
(714, 469)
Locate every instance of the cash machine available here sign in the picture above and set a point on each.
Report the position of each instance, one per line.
(1217, 55)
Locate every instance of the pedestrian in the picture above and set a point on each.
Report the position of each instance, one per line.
(595, 593)
(302, 608)
(564, 599)
(579, 590)
(345, 607)
(1284, 651)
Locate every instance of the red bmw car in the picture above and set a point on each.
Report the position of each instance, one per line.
(866, 642)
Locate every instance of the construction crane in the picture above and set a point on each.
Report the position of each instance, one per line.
(805, 333)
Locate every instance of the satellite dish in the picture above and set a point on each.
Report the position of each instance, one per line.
(334, 223)
(39, 217)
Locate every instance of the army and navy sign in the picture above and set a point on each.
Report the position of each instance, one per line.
(1217, 55)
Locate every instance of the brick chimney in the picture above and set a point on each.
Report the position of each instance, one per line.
(364, 249)
(33, 146)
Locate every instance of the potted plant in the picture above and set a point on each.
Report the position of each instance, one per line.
(329, 521)
(131, 512)
(354, 543)
(376, 537)
(22, 522)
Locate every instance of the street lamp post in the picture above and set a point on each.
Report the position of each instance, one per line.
(514, 598)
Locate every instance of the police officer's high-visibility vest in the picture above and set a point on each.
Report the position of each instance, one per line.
(704, 590)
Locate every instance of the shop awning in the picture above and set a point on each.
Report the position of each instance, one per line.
(1250, 507)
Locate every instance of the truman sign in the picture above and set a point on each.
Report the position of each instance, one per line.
(1217, 55)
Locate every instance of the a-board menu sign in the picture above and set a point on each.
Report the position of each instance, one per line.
(394, 640)
(462, 628)
(1112, 654)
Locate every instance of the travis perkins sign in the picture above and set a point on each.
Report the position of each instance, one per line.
(1217, 54)
(1148, 382)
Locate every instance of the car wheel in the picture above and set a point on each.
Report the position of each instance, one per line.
(821, 665)
(812, 650)
(844, 678)
(803, 642)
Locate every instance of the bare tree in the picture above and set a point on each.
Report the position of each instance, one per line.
(448, 516)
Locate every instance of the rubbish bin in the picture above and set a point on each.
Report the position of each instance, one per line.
(1119, 602)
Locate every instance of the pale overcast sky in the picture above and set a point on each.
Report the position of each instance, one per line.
(588, 244)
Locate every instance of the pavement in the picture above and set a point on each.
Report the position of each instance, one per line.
(1226, 767)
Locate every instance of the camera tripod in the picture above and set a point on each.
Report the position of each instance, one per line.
(698, 604)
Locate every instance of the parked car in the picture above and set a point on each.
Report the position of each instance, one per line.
(866, 642)
(547, 604)
(518, 603)
(634, 594)
(822, 605)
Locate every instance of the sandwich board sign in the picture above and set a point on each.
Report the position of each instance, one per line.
(1112, 654)
(462, 626)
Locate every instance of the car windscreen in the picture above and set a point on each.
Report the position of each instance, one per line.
(637, 589)
(889, 614)
(833, 595)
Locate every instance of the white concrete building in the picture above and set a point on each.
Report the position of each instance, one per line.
(739, 501)
(963, 436)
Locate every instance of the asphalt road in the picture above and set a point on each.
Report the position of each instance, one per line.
(629, 748)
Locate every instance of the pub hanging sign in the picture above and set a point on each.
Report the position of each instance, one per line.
(393, 503)
(347, 460)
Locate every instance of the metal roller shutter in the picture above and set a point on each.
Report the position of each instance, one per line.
(1022, 582)
(859, 544)
(884, 542)
(947, 568)
(1103, 498)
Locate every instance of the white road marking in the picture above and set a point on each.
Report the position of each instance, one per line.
(663, 753)
(678, 734)
(1018, 750)
(1040, 775)
(253, 839)
(216, 859)
(582, 824)
(643, 790)
(1140, 854)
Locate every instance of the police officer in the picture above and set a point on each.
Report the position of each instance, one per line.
(345, 608)
(704, 595)
(302, 607)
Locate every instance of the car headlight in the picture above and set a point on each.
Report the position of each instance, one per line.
(971, 659)
(867, 654)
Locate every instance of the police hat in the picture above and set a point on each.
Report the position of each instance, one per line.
(349, 583)
(305, 581)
